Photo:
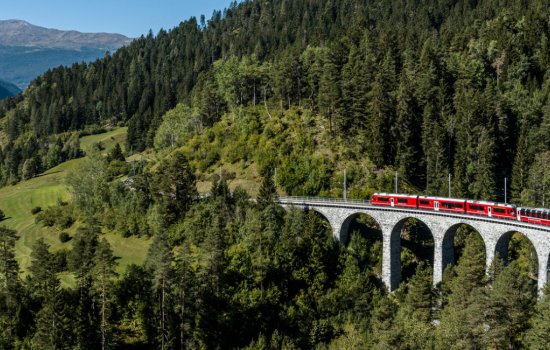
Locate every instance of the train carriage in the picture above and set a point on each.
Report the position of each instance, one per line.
(463, 206)
(534, 216)
(395, 200)
(441, 204)
(491, 209)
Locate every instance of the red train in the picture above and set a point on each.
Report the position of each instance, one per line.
(464, 206)
(534, 216)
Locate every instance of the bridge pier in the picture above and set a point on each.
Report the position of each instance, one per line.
(391, 258)
(543, 253)
(443, 256)
(543, 273)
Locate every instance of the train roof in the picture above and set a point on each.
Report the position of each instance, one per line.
(394, 194)
(537, 209)
(443, 199)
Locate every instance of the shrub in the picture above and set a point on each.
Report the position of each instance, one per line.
(117, 168)
(64, 237)
(57, 215)
(36, 210)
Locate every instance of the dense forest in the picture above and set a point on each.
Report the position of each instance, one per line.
(227, 272)
(426, 88)
(294, 92)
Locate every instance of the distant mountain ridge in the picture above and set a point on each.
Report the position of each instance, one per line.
(27, 50)
(7, 89)
(21, 33)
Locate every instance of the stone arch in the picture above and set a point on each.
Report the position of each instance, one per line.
(502, 250)
(448, 254)
(394, 242)
(501, 247)
(324, 217)
(348, 222)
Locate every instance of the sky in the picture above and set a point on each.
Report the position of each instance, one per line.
(129, 17)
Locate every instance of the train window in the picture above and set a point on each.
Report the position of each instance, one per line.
(401, 200)
(522, 211)
(383, 199)
(499, 210)
(424, 202)
(476, 207)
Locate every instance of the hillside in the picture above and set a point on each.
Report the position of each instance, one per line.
(49, 189)
(423, 95)
(27, 51)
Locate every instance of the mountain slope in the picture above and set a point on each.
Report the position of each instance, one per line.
(20, 64)
(27, 51)
(21, 33)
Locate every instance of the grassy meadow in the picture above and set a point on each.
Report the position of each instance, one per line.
(47, 189)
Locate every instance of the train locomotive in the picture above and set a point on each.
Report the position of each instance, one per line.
(464, 206)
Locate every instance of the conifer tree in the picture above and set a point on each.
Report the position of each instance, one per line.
(508, 305)
(538, 335)
(116, 154)
(9, 288)
(81, 263)
(407, 132)
(459, 326)
(160, 259)
(383, 333)
(174, 186)
(415, 312)
(267, 193)
(104, 275)
(51, 331)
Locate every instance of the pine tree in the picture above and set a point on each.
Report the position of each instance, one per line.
(116, 154)
(104, 275)
(10, 292)
(407, 132)
(9, 268)
(459, 326)
(538, 335)
(81, 263)
(160, 259)
(330, 94)
(267, 193)
(174, 186)
(383, 333)
(507, 307)
(51, 331)
(415, 312)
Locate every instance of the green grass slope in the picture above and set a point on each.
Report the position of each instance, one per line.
(46, 190)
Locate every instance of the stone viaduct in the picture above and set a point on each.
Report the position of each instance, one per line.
(496, 233)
